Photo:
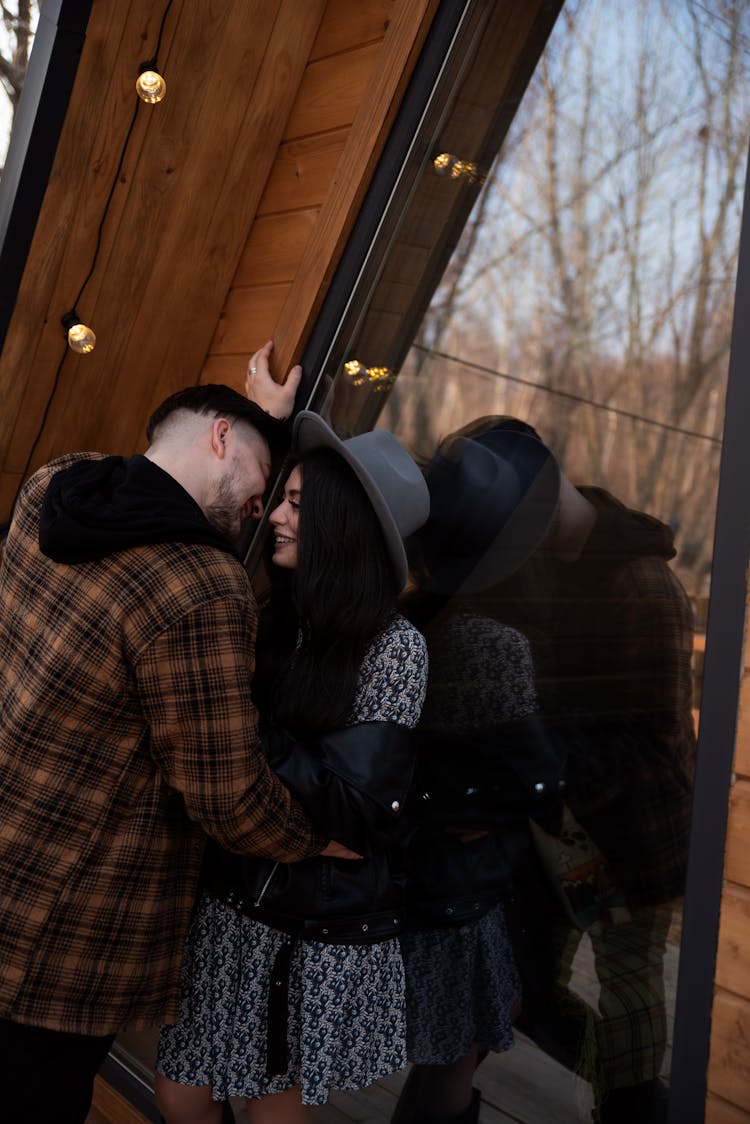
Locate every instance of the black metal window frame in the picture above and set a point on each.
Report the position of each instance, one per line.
(53, 64)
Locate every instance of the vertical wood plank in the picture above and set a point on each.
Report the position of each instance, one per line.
(275, 247)
(729, 1064)
(409, 24)
(331, 92)
(719, 1111)
(346, 24)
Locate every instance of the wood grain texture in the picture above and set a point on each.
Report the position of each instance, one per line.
(65, 237)
(397, 54)
(302, 173)
(157, 250)
(228, 369)
(719, 1111)
(194, 171)
(733, 961)
(346, 24)
(108, 1107)
(737, 856)
(742, 744)
(729, 1065)
(331, 92)
(232, 157)
(275, 247)
(249, 319)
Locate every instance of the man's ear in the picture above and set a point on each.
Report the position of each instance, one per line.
(219, 434)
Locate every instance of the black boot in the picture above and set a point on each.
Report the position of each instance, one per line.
(470, 1114)
(406, 1105)
(646, 1103)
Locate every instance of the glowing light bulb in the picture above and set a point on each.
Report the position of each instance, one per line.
(150, 86)
(443, 163)
(381, 378)
(446, 164)
(356, 372)
(81, 338)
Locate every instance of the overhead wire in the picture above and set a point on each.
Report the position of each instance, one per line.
(569, 394)
(89, 275)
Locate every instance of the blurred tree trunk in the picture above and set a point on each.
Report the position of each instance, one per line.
(601, 263)
(19, 22)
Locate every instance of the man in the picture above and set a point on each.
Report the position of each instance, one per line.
(611, 630)
(127, 731)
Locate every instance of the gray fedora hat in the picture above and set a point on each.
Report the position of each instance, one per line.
(391, 479)
(493, 498)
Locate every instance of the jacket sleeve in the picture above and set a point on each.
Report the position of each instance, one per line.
(484, 779)
(353, 782)
(194, 685)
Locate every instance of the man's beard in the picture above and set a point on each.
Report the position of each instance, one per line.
(223, 513)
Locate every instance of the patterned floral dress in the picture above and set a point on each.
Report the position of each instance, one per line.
(347, 1009)
(462, 983)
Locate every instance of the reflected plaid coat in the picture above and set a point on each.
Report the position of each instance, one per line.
(612, 640)
(126, 731)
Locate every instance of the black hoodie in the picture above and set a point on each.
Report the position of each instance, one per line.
(96, 508)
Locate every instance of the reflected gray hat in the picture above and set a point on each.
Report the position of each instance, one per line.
(493, 498)
(392, 481)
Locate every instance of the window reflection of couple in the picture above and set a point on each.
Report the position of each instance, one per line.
(514, 556)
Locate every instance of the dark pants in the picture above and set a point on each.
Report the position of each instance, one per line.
(47, 1075)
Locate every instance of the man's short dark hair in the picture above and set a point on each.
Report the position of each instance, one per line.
(217, 400)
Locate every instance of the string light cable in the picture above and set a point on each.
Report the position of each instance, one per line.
(70, 318)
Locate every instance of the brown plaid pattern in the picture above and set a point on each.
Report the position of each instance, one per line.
(612, 647)
(127, 730)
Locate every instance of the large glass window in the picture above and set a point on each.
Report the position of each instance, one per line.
(561, 250)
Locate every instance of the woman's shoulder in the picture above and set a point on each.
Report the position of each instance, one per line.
(400, 632)
(393, 675)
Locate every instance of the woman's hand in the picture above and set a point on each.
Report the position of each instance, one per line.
(336, 850)
(274, 397)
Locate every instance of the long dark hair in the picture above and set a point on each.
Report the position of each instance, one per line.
(340, 596)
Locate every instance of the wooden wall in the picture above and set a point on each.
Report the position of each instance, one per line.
(729, 1068)
(346, 102)
(222, 211)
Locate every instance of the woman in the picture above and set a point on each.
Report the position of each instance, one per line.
(482, 758)
(293, 983)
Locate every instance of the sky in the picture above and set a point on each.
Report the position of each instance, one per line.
(5, 107)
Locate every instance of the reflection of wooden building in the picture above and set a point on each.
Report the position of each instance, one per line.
(188, 232)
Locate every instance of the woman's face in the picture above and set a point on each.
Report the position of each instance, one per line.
(285, 522)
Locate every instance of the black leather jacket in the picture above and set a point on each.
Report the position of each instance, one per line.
(491, 780)
(354, 785)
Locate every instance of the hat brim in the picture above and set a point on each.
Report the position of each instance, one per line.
(520, 536)
(311, 432)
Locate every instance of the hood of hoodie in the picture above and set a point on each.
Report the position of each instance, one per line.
(621, 532)
(95, 508)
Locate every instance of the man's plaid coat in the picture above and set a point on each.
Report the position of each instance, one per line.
(126, 732)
